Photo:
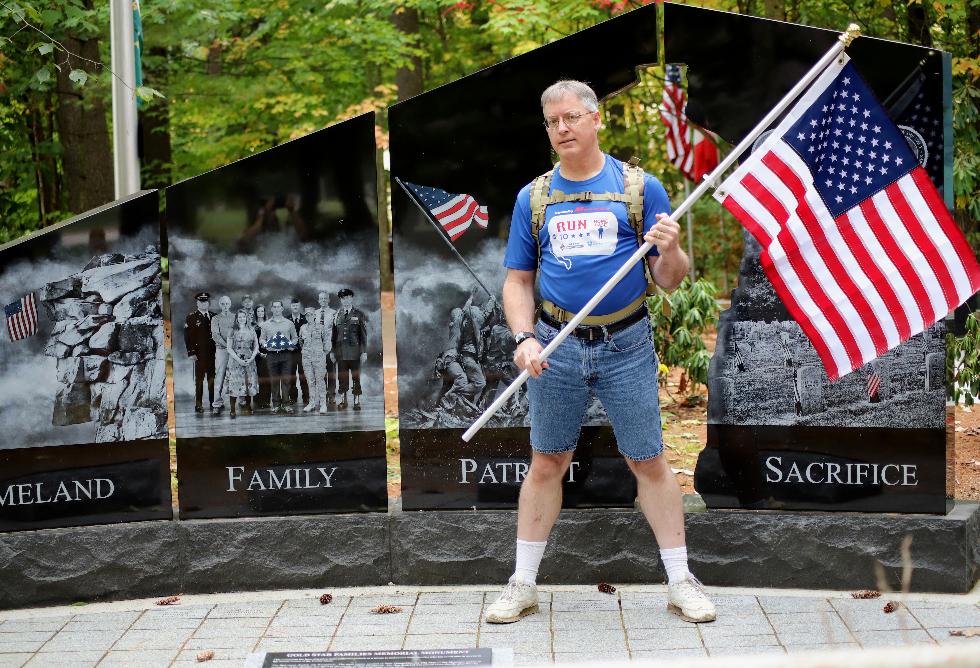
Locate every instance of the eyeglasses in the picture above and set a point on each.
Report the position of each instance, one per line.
(571, 119)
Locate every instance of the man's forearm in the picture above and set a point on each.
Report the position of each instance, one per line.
(670, 268)
(519, 305)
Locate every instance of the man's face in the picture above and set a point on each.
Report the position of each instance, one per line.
(324, 299)
(276, 309)
(295, 308)
(247, 303)
(347, 301)
(580, 138)
(225, 304)
(203, 305)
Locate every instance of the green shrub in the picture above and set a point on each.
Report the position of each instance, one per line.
(963, 363)
(679, 320)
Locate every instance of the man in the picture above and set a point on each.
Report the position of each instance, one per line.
(611, 355)
(298, 319)
(349, 341)
(221, 327)
(200, 348)
(326, 316)
(279, 338)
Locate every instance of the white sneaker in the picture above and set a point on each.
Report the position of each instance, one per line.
(688, 600)
(517, 600)
(309, 407)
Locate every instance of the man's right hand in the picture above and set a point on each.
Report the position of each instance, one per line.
(193, 357)
(527, 357)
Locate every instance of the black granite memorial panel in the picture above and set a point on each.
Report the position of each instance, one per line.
(83, 408)
(780, 434)
(482, 136)
(285, 245)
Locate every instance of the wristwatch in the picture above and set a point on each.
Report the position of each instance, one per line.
(521, 337)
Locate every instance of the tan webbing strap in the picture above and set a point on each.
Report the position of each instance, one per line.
(539, 203)
(558, 196)
(633, 189)
(563, 316)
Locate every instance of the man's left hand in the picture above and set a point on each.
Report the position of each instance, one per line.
(363, 358)
(663, 234)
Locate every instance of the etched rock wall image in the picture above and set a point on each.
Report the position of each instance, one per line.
(108, 343)
(766, 372)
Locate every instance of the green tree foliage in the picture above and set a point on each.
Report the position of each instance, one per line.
(680, 320)
(963, 364)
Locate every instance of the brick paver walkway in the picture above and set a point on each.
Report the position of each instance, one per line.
(575, 624)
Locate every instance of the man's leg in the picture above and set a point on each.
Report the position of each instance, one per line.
(220, 364)
(660, 499)
(540, 500)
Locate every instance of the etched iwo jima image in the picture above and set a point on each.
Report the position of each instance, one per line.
(83, 357)
(276, 297)
(462, 353)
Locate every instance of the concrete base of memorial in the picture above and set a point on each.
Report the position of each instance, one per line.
(727, 548)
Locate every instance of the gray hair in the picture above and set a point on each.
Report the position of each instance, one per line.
(560, 89)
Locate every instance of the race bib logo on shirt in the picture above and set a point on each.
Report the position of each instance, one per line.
(583, 233)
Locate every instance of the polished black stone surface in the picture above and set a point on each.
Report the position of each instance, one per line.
(770, 404)
(68, 457)
(440, 471)
(282, 475)
(72, 485)
(296, 222)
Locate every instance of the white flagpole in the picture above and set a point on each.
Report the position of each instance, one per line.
(690, 232)
(845, 39)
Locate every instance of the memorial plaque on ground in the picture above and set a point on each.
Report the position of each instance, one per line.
(433, 658)
(275, 299)
(459, 156)
(780, 434)
(83, 408)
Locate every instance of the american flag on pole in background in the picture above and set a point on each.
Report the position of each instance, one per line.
(21, 317)
(455, 213)
(856, 240)
(688, 148)
(874, 385)
(737, 362)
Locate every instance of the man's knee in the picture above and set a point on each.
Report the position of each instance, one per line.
(654, 469)
(546, 468)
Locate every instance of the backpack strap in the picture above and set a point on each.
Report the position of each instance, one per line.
(633, 185)
(539, 202)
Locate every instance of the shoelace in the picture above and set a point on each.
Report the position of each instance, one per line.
(695, 584)
(511, 591)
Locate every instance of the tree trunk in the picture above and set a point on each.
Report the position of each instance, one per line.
(84, 135)
(918, 24)
(408, 79)
(157, 157)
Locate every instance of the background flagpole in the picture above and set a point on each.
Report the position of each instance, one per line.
(442, 234)
(845, 39)
(125, 162)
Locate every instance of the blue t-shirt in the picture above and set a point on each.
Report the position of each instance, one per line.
(584, 243)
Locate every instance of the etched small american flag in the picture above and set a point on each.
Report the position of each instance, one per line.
(21, 317)
(455, 213)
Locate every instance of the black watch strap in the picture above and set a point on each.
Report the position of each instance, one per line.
(521, 337)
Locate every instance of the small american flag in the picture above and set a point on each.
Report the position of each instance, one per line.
(737, 362)
(21, 317)
(455, 213)
(874, 385)
(856, 240)
(278, 343)
(688, 148)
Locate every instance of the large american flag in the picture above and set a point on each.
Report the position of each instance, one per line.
(455, 213)
(689, 149)
(21, 317)
(856, 240)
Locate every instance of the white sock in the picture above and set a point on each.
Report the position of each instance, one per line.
(529, 555)
(675, 563)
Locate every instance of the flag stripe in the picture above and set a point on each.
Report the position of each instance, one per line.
(805, 253)
(913, 226)
(895, 290)
(751, 214)
(902, 263)
(809, 316)
(830, 247)
(935, 304)
(958, 243)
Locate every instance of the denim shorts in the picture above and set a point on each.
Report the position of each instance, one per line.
(620, 369)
